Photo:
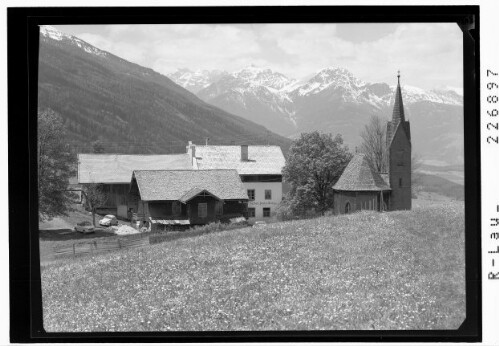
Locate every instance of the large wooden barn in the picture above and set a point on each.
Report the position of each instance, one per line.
(187, 197)
(361, 187)
(114, 172)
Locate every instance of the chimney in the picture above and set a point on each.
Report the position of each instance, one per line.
(244, 153)
(191, 149)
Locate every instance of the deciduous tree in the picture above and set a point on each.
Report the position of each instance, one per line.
(314, 164)
(56, 164)
(374, 147)
(94, 197)
(374, 143)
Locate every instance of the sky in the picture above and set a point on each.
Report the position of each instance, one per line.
(428, 55)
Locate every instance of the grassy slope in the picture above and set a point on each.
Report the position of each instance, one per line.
(398, 270)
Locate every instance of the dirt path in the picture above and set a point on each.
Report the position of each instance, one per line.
(55, 223)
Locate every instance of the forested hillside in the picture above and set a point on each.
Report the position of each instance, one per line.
(131, 109)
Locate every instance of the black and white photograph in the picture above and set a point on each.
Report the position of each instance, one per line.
(240, 176)
(198, 177)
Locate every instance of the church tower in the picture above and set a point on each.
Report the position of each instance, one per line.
(398, 143)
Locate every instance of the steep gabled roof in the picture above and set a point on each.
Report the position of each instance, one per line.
(175, 185)
(359, 175)
(398, 117)
(261, 159)
(117, 168)
(398, 105)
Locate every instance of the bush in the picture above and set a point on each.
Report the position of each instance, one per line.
(286, 212)
(283, 211)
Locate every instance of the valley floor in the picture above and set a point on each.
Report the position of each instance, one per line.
(396, 270)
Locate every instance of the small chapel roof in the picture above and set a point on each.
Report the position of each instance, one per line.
(359, 175)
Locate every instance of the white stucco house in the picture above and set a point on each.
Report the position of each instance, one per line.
(259, 167)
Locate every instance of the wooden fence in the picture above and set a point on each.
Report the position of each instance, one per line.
(99, 246)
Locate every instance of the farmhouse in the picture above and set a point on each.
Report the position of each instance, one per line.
(259, 166)
(187, 197)
(361, 187)
(115, 171)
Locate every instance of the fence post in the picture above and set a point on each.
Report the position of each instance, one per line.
(119, 243)
(74, 252)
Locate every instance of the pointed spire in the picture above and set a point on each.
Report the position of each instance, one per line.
(398, 105)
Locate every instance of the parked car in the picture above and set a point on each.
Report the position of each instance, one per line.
(84, 227)
(109, 220)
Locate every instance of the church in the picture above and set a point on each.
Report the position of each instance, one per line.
(361, 187)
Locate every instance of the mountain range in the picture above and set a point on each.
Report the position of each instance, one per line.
(134, 109)
(332, 100)
(130, 108)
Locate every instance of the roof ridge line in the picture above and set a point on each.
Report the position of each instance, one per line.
(184, 170)
(117, 154)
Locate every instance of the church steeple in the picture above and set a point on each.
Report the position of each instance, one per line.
(398, 105)
(398, 136)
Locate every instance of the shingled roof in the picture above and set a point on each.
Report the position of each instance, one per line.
(175, 185)
(398, 105)
(117, 168)
(359, 175)
(261, 159)
(398, 117)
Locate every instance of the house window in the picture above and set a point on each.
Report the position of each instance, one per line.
(202, 209)
(266, 212)
(268, 194)
(251, 212)
(347, 208)
(251, 195)
(400, 182)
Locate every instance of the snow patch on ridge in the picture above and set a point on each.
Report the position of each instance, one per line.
(54, 34)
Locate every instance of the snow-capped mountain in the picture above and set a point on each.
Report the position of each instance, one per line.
(254, 93)
(330, 78)
(253, 76)
(49, 32)
(378, 94)
(331, 100)
(196, 80)
(334, 100)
